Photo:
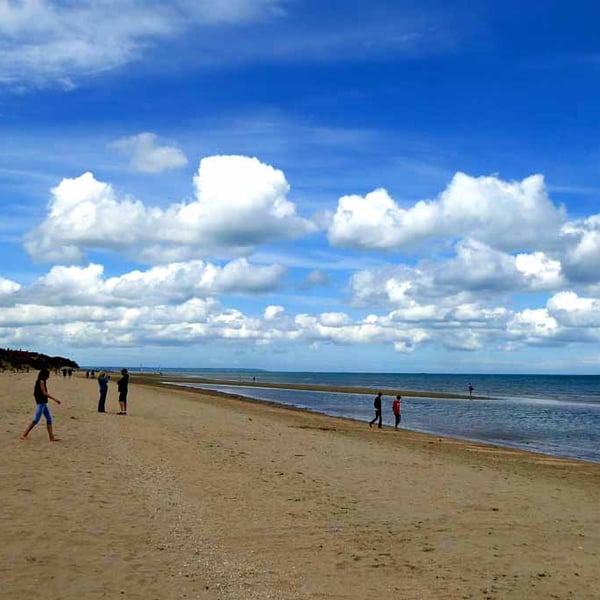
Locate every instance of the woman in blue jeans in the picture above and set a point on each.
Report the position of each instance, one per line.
(41, 395)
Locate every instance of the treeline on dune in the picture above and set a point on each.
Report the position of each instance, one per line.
(23, 360)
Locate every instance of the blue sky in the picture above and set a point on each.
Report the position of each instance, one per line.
(293, 185)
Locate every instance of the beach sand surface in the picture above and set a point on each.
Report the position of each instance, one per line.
(196, 495)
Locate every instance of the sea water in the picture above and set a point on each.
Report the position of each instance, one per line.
(557, 415)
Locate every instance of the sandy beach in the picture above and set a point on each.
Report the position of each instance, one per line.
(196, 495)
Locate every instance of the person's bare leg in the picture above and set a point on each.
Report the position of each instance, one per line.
(51, 433)
(26, 432)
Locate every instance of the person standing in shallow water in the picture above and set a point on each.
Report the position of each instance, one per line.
(396, 411)
(377, 407)
(122, 386)
(41, 395)
(103, 388)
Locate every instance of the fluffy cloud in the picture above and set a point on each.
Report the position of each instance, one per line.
(475, 271)
(340, 329)
(86, 213)
(466, 340)
(166, 284)
(533, 326)
(240, 203)
(177, 304)
(239, 276)
(493, 287)
(571, 310)
(583, 249)
(188, 323)
(273, 312)
(471, 311)
(477, 266)
(503, 215)
(146, 155)
(539, 271)
(8, 287)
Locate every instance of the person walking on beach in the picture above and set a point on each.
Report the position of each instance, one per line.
(122, 386)
(377, 407)
(396, 411)
(103, 388)
(471, 388)
(41, 395)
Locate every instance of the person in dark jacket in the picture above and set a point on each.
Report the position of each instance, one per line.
(122, 386)
(377, 407)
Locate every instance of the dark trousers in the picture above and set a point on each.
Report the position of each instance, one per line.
(397, 420)
(377, 418)
(102, 401)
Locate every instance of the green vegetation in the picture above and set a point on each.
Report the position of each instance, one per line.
(23, 360)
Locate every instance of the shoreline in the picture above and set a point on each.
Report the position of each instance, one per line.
(187, 383)
(348, 425)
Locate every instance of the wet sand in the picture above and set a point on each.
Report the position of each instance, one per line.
(197, 495)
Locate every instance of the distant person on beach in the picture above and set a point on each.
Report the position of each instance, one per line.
(377, 407)
(471, 388)
(41, 395)
(396, 411)
(122, 386)
(103, 388)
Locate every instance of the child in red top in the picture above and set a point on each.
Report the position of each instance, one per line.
(396, 411)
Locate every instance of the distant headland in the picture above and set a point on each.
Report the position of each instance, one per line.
(23, 360)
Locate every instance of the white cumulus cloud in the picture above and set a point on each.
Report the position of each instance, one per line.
(572, 310)
(539, 271)
(533, 325)
(240, 203)
(477, 266)
(8, 287)
(505, 215)
(273, 312)
(583, 249)
(164, 284)
(178, 305)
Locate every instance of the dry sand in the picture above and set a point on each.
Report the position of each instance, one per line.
(200, 496)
